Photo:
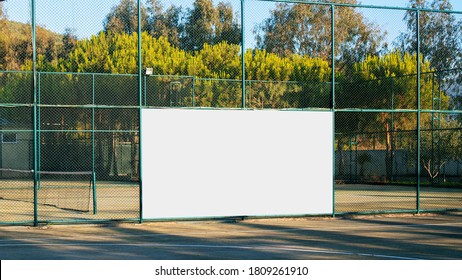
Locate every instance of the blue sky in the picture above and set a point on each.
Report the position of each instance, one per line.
(87, 16)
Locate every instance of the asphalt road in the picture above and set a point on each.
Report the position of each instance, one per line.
(390, 237)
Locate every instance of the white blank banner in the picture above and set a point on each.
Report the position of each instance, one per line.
(215, 163)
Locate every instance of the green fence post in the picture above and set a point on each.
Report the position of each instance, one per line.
(140, 103)
(93, 177)
(333, 103)
(419, 111)
(243, 53)
(34, 89)
(39, 148)
(393, 132)
(93, 167)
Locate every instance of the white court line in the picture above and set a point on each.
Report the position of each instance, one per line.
(232, 247)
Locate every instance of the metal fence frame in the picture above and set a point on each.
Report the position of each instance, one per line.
(141, 94)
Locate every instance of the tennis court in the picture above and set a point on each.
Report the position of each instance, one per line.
(61, 200)
(365, 198)
(390, 237)
(120, 201)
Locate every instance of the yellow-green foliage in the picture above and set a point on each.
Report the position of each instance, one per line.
(162, 56)
(221, 60)
(16, 45)
(118, 53)
(261, 65)
(397, 72)
(291, 80)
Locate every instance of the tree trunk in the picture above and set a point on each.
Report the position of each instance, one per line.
(341, 160)
(390, 151)
(113, 154)
(134, 157)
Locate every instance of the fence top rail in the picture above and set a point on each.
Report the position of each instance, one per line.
(362, 6)
(433, 71)
(66, 73)
(95, 73)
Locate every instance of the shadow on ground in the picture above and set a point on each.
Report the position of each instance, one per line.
(424, 237)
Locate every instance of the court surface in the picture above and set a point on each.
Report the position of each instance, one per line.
(120, 201)
(386, 237)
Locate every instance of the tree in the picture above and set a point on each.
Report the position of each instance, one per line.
(286, 82)
(207, 24)
(3, 40)
(69, 43)
(3, 53)
(2, 13)
(16, 53)
(91, 55)
(440, 43)
(123, 18)
(439, 34)
(227, 27)
(190, 30)
(436, 154)
(305, 29)
(200, 24)
(377, 83)
(166, 23)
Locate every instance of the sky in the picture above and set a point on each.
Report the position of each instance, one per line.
(86, 16)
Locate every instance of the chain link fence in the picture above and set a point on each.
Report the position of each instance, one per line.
(71, 91)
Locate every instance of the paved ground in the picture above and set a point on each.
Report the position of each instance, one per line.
(400, 237)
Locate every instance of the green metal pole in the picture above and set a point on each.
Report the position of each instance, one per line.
(243, 53)
(333, 104)
(34, 88)
(140, 101)
(418, 113)
(93, 166)
(438, 133)
(393, 132)
(94, 192)
(39, 154)
(433, 129)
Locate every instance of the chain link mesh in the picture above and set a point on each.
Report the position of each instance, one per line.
(79, 111)
(16, 120)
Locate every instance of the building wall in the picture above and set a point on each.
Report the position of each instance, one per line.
(18, 154)
(403, 165)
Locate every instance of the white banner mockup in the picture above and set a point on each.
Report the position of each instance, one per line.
(216, 163)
